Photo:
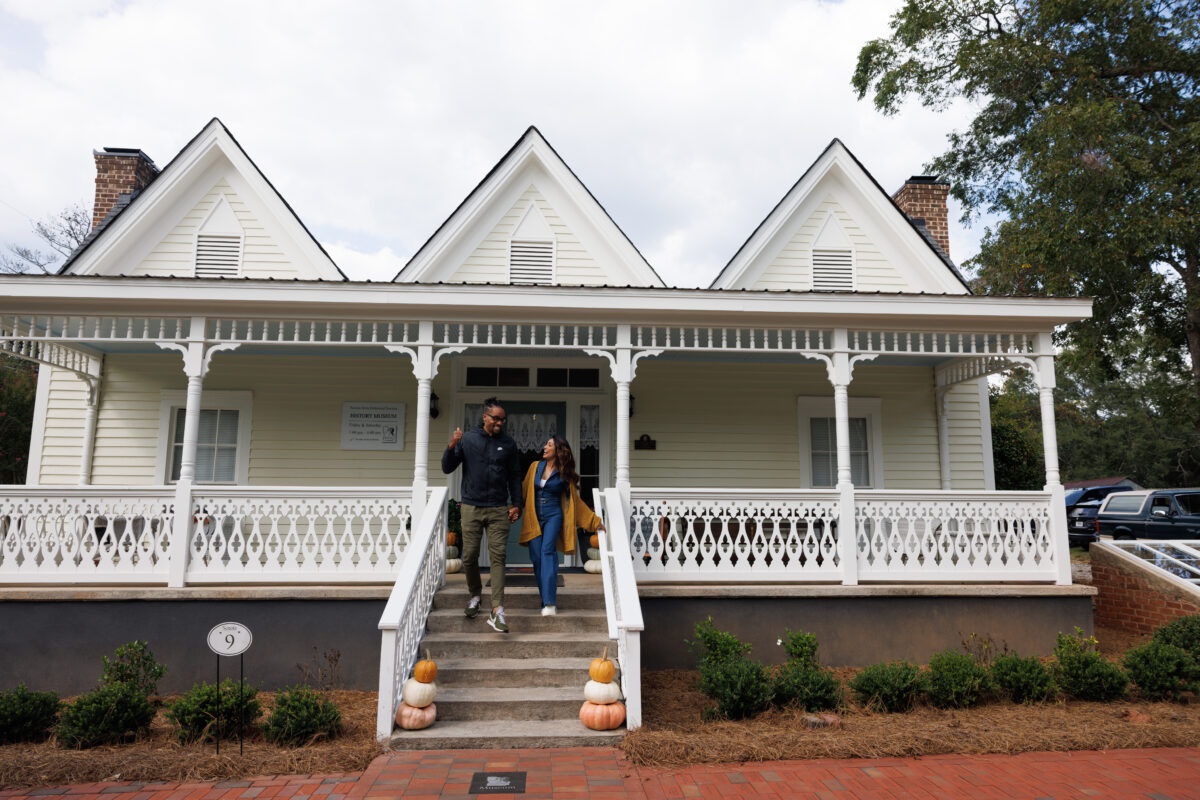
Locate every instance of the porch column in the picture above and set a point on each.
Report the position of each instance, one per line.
(623, 364)
(848, 527)
(942, 402)
(89, 432)
(1044, 374)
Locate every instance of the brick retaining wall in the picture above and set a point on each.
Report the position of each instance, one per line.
(1133, 598)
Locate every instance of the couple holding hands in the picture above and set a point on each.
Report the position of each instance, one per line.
(493, 496)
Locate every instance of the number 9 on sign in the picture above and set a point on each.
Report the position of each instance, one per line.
(229, 639)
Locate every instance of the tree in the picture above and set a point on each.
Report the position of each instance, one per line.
(62, 233)
(18, 388)
(1086, 142)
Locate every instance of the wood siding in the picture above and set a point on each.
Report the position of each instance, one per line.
(966, 439)
(792, 267)
(262, 256)
(62, 441)
(489, 261)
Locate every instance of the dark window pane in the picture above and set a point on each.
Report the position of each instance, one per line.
(481, 376)
(513, 376)
(552, 376)
(589, 461)
(585, 378)
(586, 485)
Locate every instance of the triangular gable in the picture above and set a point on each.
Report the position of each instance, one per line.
(889, 251)
(472, 244)
(212, 175)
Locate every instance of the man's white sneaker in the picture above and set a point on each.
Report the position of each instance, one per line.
(549, 611)
(496, 620)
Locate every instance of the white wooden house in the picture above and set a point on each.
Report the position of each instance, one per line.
(201, 351)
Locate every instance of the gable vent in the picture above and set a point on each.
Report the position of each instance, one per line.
(833, 270)
(218, 256)
(531, 262)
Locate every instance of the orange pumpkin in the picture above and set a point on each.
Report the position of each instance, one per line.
(595, 540)
(426, 669)
(451, 538)
(602, 670)
(414, 719)
(602, 718)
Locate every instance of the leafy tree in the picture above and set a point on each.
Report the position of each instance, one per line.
(1085, 141)
(61, 233)
(18, 388)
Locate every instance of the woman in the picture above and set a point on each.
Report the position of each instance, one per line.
(551, 488)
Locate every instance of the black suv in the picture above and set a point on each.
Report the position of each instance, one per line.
(1082, 507)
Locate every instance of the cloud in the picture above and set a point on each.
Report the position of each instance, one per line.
(687, 120)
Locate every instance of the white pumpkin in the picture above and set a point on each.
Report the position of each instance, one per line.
(417, 694)
(453, 565)
(593, 554)
(601, 693)
(593, 567)
(451, 552)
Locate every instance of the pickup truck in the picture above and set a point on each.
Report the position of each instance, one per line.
(1152, 514)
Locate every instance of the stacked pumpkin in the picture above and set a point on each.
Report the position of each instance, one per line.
(417, 709)
(603, 709)
(453, 560)
(593, 555)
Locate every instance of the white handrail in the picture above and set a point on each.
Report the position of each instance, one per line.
(422, 572)
(622, 603)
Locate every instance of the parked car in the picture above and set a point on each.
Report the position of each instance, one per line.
(1091, 494)
(1081, 522)
(1151, 514)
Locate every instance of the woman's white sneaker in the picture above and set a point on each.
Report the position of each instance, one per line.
(549, 611)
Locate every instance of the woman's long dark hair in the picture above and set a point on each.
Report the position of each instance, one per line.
(566, 461)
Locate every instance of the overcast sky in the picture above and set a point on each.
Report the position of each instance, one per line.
(687, 120)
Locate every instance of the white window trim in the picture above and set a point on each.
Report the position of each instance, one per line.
(173, 399)
(868, 407)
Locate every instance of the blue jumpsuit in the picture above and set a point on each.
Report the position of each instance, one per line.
(543, 550)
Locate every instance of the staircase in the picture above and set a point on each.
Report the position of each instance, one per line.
(517, 689)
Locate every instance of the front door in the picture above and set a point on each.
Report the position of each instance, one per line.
(530, 424)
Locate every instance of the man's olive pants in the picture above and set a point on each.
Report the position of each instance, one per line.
(474, 520)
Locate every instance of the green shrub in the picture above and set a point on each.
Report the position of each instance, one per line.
(956, 681)
(801, 648)
(134, 664)
(107, 715)
(1083, 673)
(1160, 670)
(717, 645)
(301, 716)
(26, 716)
(811, 688)
(893, 686)
(1182, 632)
(207, 710)
(739, 686)
(1024, 680)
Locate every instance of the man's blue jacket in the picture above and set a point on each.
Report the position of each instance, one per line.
(491, 468)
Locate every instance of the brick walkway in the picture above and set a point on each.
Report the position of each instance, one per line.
(581, 773)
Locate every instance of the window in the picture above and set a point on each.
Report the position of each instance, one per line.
(561, 377)
(818, 443)
(222, 443)
(498, 376)
(1125, 503)
(216, 446)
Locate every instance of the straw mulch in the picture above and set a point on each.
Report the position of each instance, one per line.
(674, 735)
(156, 756)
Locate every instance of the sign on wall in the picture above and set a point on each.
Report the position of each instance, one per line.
(372, 426)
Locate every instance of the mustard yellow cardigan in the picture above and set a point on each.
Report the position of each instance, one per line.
(575, 514)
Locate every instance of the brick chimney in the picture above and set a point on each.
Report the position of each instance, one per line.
(119, 170)
(923, 198)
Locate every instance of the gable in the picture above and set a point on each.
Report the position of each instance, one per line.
(530, 193)
(837, 206)
(212, 190)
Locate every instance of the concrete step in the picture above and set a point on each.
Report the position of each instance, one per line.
(516, 704)
(503, 735)
(528, 620)
(515, 672)
(489, 644)
(454, 596)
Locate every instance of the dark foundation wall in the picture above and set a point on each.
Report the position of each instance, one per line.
(856, 631)
(57, 645)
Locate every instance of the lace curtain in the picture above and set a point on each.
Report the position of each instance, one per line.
(589, 426)
(529, 431)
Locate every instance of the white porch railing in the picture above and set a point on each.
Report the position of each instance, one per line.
(85, 535)
(297, 535)
(734, 535)
(621, 601)
(422, 573)
(747, 535)
(943, 536)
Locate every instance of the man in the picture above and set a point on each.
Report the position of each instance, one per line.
(491, 499)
